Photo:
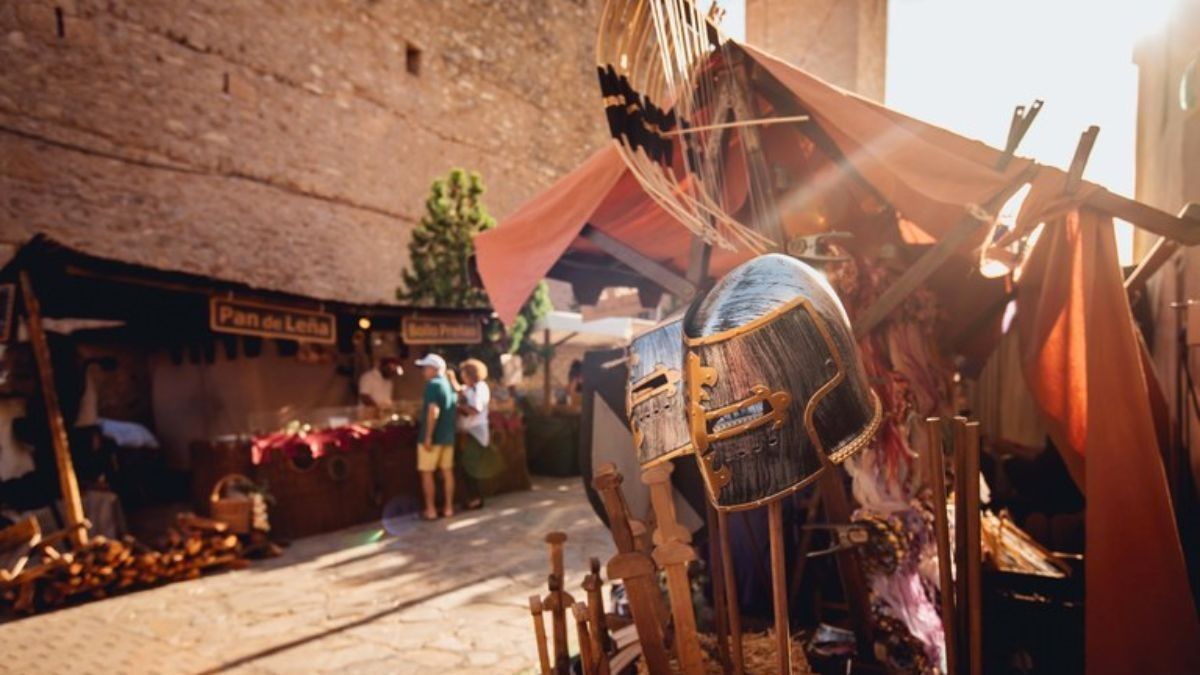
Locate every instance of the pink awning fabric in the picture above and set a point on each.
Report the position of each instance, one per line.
(928, 174)
(515, 256)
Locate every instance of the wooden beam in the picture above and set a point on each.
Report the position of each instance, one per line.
(1158, 255)
(1082, 152)
(698, 261)
(67, 481)
(647, 267)
(1022, 119)
(932, 260)
(547, 357)
(567, 338)
(1162, 251)
(854, 583)
(1184, 230)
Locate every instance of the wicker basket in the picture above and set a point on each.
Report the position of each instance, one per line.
(236, 512)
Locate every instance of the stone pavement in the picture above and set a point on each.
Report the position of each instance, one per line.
(408, 598)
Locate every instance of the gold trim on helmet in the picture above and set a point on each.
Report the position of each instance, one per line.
(699, 377)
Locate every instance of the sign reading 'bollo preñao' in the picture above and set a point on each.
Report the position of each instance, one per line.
(271, 321)
(441, 330)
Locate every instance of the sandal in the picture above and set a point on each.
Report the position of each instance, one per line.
(448, 513)
(426, 517)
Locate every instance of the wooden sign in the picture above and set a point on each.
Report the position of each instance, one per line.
(441, 330)
(242, 317)
(8, 298)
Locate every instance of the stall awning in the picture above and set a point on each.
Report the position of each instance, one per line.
(928, 175)
(75, 285)
(1079, 342)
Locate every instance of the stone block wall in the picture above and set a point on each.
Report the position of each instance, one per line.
(287, 145)
(843, 42)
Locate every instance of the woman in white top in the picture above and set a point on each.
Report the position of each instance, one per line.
(474, 437)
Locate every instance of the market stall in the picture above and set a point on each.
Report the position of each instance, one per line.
(921, 204)
(235, 380)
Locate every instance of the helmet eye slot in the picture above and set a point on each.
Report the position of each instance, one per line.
(743, 414)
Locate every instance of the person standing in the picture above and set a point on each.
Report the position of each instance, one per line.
(474, 436)
(435, 435)
(375, 385)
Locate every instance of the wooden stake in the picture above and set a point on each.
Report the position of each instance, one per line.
(557, 602)
(67, 481)
(731, 596)
(600, 640)
(854, 585)
(941, 526)
(716, 576)
(593, 584)
(547, 403)
(556, 540)
(783, 632)
(586, 656)
(539, 632)
(973, 568)
(673, 553)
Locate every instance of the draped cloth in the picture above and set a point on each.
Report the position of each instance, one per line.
(1080, 351)
(1083, 363)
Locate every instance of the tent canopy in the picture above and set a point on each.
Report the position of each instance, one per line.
(857, 166)
(904, 188)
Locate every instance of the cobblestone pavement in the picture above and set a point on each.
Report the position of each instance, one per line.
(451, 596)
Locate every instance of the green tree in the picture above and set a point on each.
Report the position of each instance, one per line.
(439, 271)
(443, 243)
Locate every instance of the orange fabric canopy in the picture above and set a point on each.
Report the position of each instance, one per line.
(1077, 335)
(926, 173)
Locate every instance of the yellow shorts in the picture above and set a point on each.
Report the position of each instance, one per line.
(430, 457)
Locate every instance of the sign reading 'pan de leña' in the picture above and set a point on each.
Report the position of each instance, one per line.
(441, 330)
(271, 321)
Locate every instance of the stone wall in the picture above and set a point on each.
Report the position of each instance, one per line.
(841, 41)
(1168, 177)
(287, 145)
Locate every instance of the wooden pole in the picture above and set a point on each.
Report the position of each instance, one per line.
(933, 259)
(716, 576)
(731, 596)
(557, 602)
(547, 358)
(783, 632)
(539, 632)
(67, 481)
(810, 515)
(586, 656)
(593, 584)
(974, 598)
(854, 585)
(941, 526)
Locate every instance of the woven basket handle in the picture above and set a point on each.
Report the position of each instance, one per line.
(226, 480)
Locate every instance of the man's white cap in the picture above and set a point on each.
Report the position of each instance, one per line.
(433, 360)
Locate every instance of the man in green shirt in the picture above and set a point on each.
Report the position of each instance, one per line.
(435, 434)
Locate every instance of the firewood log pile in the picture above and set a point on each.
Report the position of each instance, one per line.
(103, 567)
